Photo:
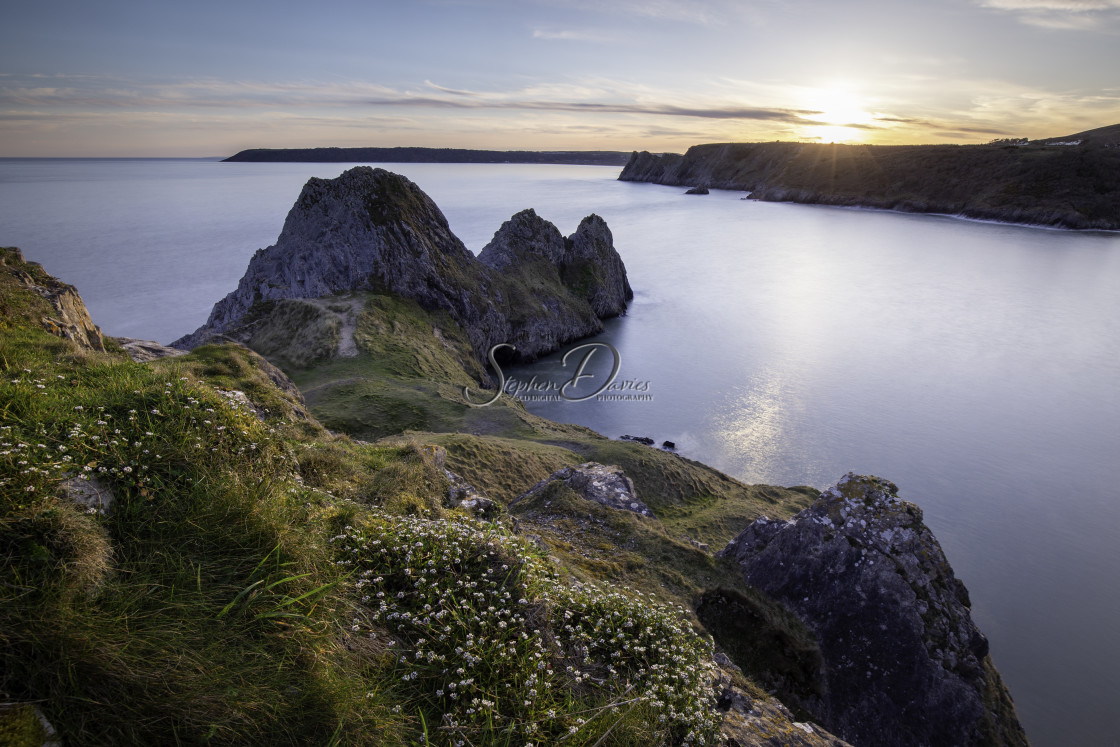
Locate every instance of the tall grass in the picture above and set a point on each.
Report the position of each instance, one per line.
(208, 603)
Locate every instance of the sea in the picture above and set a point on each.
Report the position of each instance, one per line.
(976, 365)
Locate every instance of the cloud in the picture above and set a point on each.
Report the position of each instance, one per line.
(1067, 15)
(579, 35)
(1074, 6)
(672, 110)
(219, 94)
(453, 91)
(623, 113)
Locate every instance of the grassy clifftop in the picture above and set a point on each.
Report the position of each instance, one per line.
(1072, 181)
(188, 556)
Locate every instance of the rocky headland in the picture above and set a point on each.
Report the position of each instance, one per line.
(376, 231)
(901, 661)
(1069, 182)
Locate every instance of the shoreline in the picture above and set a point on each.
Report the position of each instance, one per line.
(896, 211)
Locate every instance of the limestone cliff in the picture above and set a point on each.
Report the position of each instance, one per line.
(903, 663)
(372, 230)
(67, 317)
(1069, 182)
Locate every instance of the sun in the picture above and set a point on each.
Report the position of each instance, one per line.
(840, 114)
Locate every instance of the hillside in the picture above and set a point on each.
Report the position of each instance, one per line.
(1069, 182)
(204, 547)
(428, 155)
(188, 556)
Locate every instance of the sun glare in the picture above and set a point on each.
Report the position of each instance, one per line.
(841, 117)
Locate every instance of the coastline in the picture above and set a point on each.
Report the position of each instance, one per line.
(1074, 187)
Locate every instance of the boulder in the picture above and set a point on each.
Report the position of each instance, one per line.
(903, 661)
(90, 492)
(607, 486)
(143, 351)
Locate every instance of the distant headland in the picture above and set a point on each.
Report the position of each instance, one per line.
(430, 155)
(1068, 182)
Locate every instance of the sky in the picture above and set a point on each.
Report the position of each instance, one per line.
(202, 78)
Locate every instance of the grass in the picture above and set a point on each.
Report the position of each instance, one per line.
(227, 595)
(260, 579)
(192, 609)
(490, 646)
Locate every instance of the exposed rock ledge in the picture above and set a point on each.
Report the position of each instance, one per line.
(903, 663)
(70, 320)
(606, 485)
(372, 230)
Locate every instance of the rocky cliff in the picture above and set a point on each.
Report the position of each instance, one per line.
(1071, 182)
(66, 316)
(372, 230)
(901, 660)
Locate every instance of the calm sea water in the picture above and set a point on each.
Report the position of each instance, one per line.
(975, 365)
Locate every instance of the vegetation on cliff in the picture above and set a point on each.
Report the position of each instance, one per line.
(1071, 182)
(244, 576)
(193, 549)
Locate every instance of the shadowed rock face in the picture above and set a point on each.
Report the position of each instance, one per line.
(370, 229)
(903, 661)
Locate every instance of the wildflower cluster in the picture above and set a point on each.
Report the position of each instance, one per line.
(630, 635)
(489, 641)
(138, 438)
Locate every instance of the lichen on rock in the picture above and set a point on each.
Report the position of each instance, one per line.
(903, 661)
(606, 485)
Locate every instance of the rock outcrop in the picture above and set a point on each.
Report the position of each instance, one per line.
(372, 230)
(753, 722)
(903, 661)
(69, 319)
(606, 485)
(144, 351)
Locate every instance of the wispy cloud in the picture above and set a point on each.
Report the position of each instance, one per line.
(1070, 15)
(205, 94)
(596, 36)
(585, 112)
(1074, 6)
(671, 110)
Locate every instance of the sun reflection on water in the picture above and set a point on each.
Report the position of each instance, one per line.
(750, 426)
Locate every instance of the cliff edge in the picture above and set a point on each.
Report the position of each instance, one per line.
(901, 660)
(1068, 182)
(64, 314)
